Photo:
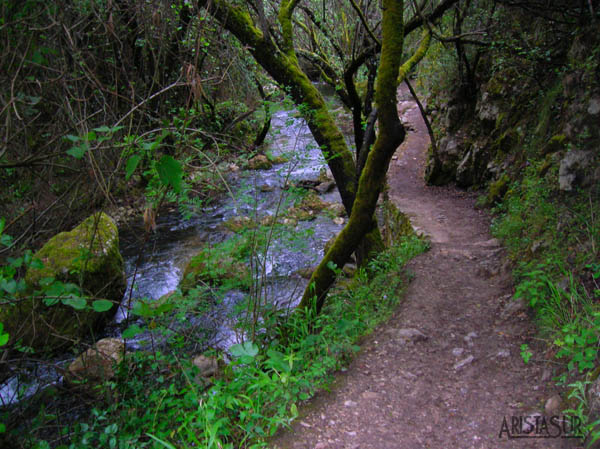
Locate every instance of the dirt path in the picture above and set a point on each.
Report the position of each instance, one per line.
(452, 387)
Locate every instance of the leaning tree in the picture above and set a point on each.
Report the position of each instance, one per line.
(277, 34)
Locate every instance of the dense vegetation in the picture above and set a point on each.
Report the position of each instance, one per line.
(125, 106)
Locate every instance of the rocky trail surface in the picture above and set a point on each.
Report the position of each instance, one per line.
(445, 371)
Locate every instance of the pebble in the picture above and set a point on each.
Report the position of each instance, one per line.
(469, 338)
(350, 404)
(463, 363)
(503, 354)
(553, 405)
(411, 334)
(457, 351)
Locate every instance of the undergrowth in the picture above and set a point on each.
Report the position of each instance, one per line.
(553, 238)
(158, 399)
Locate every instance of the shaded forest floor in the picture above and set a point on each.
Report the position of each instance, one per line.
(452, 383)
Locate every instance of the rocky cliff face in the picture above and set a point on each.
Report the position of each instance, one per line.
(516, 119)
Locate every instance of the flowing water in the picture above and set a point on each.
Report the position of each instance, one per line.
(155, 267)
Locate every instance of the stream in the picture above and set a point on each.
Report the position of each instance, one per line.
(155, 267)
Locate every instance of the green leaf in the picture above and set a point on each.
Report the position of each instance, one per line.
(248, 349)
(132, 164)
(102, 305)
(9, 287)
(143, 309)
(78, 152)
(72, 138)
(103, 129)
(132, 331)
(3, 336)
(76, 302)
(170, 172)
(36, 264)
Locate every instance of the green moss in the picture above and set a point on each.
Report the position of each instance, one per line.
(259, 162)
(498, 189)
(556, 143)
(307, 208)
(224, 264)
(239, 224)
(87, 256)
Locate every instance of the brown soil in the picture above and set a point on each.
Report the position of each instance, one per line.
(413, 393)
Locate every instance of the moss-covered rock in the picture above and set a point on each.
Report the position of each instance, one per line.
(497, 189)
(215, 266)
(87, 256)
(308, 208)
(239, 223)
(259, 162)
(556, 143)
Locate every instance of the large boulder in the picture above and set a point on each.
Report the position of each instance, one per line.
(87, 256)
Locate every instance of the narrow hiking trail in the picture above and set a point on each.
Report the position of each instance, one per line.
(451, 386)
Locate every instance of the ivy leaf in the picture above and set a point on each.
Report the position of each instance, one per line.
(76, 302)
(101, 305)
(170, 172)
(132, 164)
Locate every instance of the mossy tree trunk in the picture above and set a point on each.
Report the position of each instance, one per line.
(281, 62)
(275, 51)
(390, 136)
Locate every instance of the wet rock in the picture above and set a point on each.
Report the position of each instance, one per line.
(266, 188)
(97, 363)
(306, 272)
(325, 187)
(87, 256)
(239, 223)
(553, 405)
(461, 364)
(572, 169)
(308, 208)
(339, 220)
(259, 162)
(207, 366)
(337, 209)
